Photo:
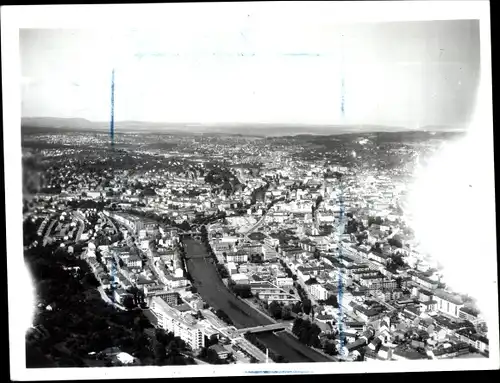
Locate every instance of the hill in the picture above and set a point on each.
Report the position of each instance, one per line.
(256, 130)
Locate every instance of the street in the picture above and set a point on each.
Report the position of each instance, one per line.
(49, 229)
(81, 227)
(108, 300)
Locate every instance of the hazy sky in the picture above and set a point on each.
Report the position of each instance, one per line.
(401, 74)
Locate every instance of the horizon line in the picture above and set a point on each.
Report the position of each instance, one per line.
(221, 123)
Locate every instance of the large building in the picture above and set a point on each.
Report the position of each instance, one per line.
(318, 292)
(173, 321)
(470, 314)
(284, 282)
(268, 292)
(448, 303)
(171, 297)
(137, 225)
(238, 257)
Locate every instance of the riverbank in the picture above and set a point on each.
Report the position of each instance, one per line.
(217, 295)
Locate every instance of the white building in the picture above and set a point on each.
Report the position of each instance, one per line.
(240, 279)
(237, 257)
(171, 320)
(284, 282)
(319, 292)
(231, 268)
(448, 303)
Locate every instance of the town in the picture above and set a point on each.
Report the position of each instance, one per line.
(245, 249)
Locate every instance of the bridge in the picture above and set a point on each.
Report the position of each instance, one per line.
(264, 328)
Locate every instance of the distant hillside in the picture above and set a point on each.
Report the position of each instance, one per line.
(255, 130)
(49, 122)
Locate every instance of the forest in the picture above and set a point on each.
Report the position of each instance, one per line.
(75, 320)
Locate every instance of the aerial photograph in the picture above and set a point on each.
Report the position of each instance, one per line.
(247, 194)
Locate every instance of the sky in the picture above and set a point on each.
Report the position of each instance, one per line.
(253, 70)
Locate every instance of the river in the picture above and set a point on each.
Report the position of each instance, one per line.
(216, 294)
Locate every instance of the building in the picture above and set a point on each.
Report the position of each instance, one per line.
(171, 297)
(222, 352)
(477, 341)
(268, 292)
(175, 282)
(231, 268)
(318, 292)
(240, 279)
(448, 303)
(119, 295)
(134, 261)
(284, 283)
(124, 358)
(425, 281)
(172, 320)
(470, 314)
(238, 257)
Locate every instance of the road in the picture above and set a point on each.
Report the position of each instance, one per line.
(197, 361)
(49, 229)
(108, 300)
(110, 221)
(257, 224)
(81, 227)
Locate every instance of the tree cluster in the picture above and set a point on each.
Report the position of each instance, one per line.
(243, 291)
(375, 220)
(302, 293)
(331, 301)
(79, 320)
(307, 332)
(280, 311)
(223, 316)
(395, 241)
(169, 349)
(221, 269)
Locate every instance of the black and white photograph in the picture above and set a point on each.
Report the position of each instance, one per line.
(249, 188)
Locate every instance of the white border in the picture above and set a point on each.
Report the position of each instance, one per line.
(116, 16)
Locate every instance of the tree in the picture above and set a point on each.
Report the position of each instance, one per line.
(203, 231)
(286, 313)
(377, 248)
(128, 302)
(396, 242)
(222, 271)
(307, 306)
(214, 339)
(332, 301)
(213, 358)
(243, 291)
(275, 310)
(297, 325)
(160, 355)
(330, 348)
(222, 315)
(174, 357)
(90, 280)
(297, 307)
(185, 226)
